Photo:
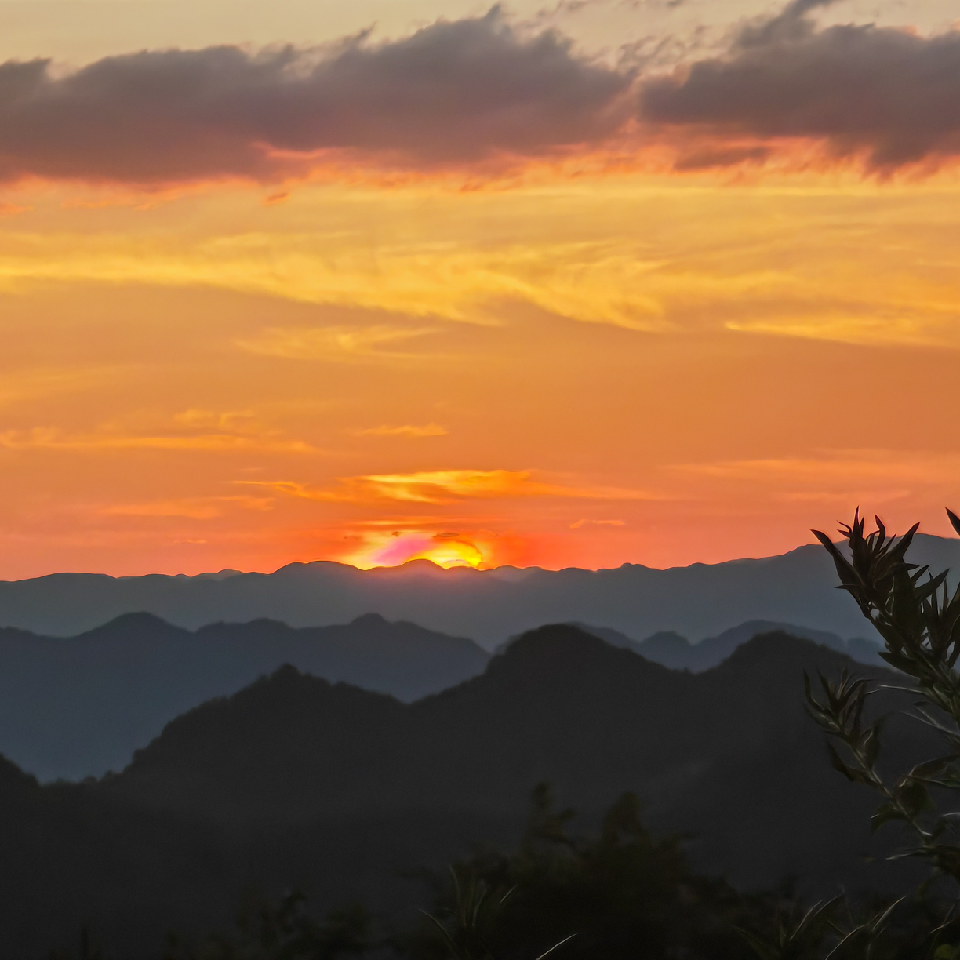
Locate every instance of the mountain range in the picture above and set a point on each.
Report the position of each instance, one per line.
(295, 780)
(486, 605)
(670, 649)
(76, 707)
(79, 706)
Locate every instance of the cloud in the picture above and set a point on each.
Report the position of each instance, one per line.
(453, 92)
(337, 343)
(194, 508)
(46, 439)
(846, 476)
(883, 94)
(447, 486)
(478, 91)
(580, 524)
(406, 430)
(31, 384)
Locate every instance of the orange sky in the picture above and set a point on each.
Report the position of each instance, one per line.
(584, 357)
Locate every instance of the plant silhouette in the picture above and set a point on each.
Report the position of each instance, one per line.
(919, 622)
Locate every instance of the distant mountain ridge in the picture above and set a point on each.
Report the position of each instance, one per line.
(77, 707)
(80, 706)
(487, 605)
(672, 650)
(559, 705)
(294, 780)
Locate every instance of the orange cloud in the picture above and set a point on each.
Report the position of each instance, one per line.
(195, 508)
(44, 439)
(579, 524)
(407, 430)
(446, 486)
(336, 343)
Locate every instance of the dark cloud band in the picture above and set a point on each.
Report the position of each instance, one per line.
(472, 91)
(885, 94)
(453, 92)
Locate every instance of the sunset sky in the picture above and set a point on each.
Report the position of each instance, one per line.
(584, 283)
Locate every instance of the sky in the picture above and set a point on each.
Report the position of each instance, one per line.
(578, 284)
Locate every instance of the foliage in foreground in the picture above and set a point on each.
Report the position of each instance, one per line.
(620, 894)
(284, 931)
(919, 622)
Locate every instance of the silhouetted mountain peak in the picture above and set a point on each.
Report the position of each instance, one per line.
(13, 781)
(369, 620)
(555, 640)
(286, 700)
(141, 624)
(614, 637)
(562, 650)
(786, 652)
(288, 675)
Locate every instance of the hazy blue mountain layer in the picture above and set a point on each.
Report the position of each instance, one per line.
(296, 781)
(77, 707)
(696, 601)
(672, 650)
(80, 706)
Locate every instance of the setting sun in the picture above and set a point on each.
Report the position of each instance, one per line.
(389, 550)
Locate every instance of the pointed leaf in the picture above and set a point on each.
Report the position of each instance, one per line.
(954, 520)
(854, 776)
(546, 953)
(885, 814)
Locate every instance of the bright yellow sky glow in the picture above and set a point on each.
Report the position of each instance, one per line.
(576, 364)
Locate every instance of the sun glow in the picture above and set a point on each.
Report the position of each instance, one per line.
(392, 549)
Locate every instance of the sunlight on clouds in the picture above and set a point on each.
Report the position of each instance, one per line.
(360, 340)
(823, 263)
(853, 329)
(582, 282)
(446, 486)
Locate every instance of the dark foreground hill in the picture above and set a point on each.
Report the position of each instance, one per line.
(488, 605)
(298, 781)
(80, 706)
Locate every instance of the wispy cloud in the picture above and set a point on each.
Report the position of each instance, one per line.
(337, 343)
(406, 430)
(227, 420)
(194, 508)
(44, 439)
(873, 475)
(21, 385)
(448, 486)
(843, 465)
(851, 328)
(579, 524)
